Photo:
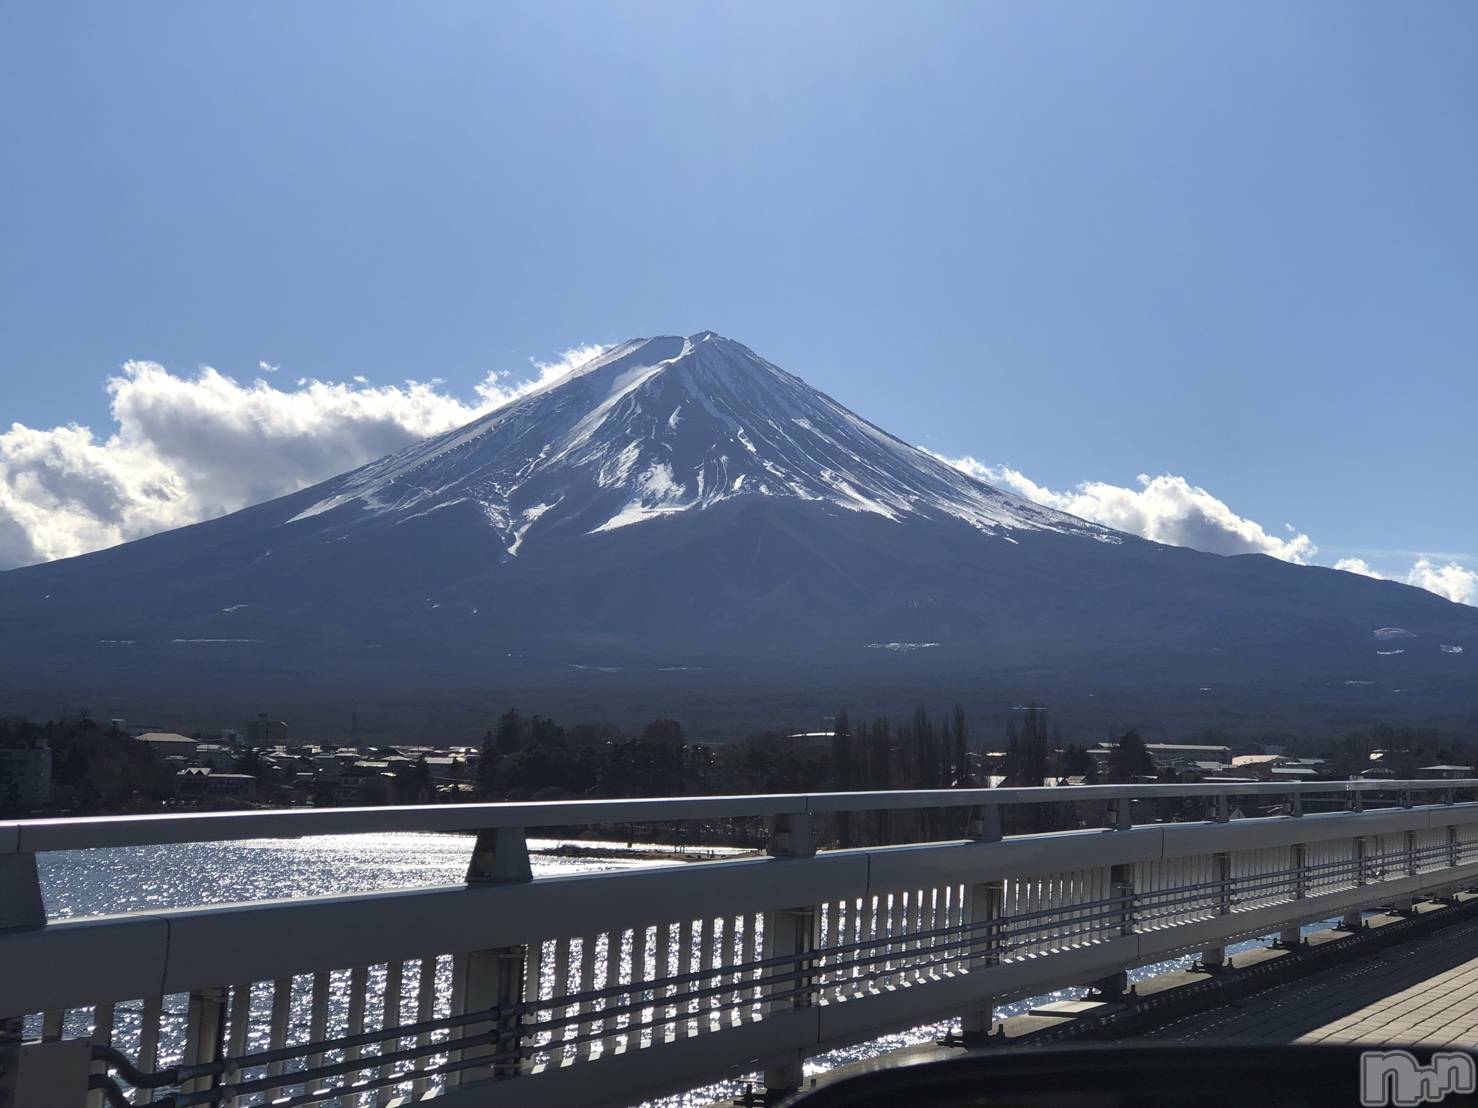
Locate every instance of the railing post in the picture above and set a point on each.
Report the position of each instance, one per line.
(205, 1033)
(1120, 814)
(501, 857)
(20, 893)
(1292, 935)
(1406, 905)
(985, 824)
(1295, 804)
(794, 836)
(1121, 889)
(1356, 801)
(1354, 919)
(494, 978)
(984, 950)
(790, 933)
(1221, 809)
(1215, 958)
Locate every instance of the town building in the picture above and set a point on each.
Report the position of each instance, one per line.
(199, 783)
(264, 731)
(167, 744)
(25, 776)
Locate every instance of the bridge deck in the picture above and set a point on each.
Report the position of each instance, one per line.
(1425, 991)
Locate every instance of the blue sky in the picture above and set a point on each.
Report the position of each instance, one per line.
(1230, 242)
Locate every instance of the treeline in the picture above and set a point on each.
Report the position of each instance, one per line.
(93, 770)
(530, 758)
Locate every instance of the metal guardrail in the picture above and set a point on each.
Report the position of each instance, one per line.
(42, 835)
(617, 987)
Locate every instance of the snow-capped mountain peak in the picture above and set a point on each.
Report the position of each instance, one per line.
(665, 425)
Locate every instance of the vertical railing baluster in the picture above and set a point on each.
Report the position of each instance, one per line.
(318, 1021)
(148, 1060)
(237, 1036)
(457, 1005)
(102, 1035)
(205, 1026)
(282, 998)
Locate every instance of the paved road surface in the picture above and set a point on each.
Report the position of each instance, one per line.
(1425, 991)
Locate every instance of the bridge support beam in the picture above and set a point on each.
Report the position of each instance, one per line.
(984, 950)
(1121, 886)
(205, 1034)
(790, 933)
(493, 978)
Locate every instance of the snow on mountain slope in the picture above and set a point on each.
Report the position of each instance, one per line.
(664, 425)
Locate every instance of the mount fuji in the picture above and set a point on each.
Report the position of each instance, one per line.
(681, 527)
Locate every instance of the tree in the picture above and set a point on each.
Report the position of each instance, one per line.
(1129, 759)
(1076, 762)
(841, 752)
(1027, 748)
(511, 734)
(960, 740)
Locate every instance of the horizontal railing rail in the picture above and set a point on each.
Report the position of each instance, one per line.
(620, 986)
(85, 833)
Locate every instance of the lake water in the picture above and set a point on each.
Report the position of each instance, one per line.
(93, 882)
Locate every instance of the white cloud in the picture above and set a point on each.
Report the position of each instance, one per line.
(1452, 580)
(1170, 509)
(1166, 508)
(183, 449)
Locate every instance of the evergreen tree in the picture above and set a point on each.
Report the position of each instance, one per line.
(841, 753)
(1129, 759)
(960, 740)
(510, 736)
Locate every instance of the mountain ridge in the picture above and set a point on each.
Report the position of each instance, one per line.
(669, 424)
(680, 527)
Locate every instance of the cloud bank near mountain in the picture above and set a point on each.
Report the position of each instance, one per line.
(1169, 509)
(183, 449)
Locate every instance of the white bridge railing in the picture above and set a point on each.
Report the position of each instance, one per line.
(613, 988)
